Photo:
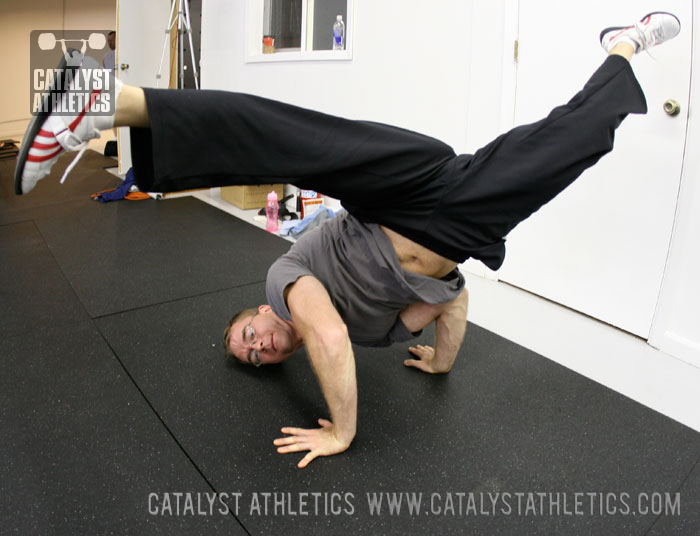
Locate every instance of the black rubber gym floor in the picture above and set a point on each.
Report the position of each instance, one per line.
(119, 413)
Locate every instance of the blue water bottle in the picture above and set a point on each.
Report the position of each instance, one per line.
(339, 33)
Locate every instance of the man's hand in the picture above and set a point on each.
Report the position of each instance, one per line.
(318, 441)
(450, 324)
(426, 360)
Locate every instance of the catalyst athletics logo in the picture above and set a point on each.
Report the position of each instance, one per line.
(67, 73)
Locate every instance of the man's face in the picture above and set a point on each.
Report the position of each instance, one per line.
(111, 41)
(273, 338)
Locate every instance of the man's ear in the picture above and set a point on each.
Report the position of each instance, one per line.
(264, 309)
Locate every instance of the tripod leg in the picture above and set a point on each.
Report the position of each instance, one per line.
(165, 43)
(181, 45)
(188, 27)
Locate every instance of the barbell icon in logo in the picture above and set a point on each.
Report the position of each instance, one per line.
(47, 41)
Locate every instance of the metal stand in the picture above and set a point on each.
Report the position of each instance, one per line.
(183, 27)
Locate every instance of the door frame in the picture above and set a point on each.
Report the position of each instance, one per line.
(661, 335)
(123, 136)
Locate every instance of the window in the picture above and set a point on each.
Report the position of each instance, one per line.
(297, 30)
(282, 22)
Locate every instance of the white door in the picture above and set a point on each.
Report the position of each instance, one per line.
(601, 246)
(140, 35)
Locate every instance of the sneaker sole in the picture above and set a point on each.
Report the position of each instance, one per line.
(36, 122)
(617, 28)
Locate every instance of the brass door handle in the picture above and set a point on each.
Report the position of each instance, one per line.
(671, 107)
(125, 66)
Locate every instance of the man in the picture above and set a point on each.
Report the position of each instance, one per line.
(387, 268)
(109, 59)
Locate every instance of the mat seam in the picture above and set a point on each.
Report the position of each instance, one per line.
(174, 300)
(60, 268)
(162, 421)
(678, 490)
(42, 207)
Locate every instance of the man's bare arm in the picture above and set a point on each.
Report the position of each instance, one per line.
(330, 351)
(450, 325)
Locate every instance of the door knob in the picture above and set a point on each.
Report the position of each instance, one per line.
(671, 107)
(125, 66)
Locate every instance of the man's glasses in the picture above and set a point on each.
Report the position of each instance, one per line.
(249, 339)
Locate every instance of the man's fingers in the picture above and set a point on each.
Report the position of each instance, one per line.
(306, 460)
(420, 350)
(319, 442)
(416, 363)
(296, 447)
(296, 431)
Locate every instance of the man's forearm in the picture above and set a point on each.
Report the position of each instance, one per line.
(333, 361)
(450, 327)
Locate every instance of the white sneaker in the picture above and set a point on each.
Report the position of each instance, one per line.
(49, 135)
(654, 29)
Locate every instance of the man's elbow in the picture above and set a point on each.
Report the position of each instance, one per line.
(464, 298)
(333, 340)
(456, 309)
(460, 306)
(336, 338)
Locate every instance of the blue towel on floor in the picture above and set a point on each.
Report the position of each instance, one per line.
(296, 228)
(120, 192)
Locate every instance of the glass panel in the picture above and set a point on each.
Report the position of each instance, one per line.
(283, 23)
(324, 16)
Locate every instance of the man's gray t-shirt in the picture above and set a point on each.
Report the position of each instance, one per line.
(358, 266)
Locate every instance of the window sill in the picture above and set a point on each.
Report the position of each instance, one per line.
(316, 55)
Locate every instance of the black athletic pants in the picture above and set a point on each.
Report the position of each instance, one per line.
(457, 206)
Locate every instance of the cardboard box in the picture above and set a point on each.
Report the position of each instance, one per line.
(246, 197)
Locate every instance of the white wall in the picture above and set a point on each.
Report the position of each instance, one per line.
(90, 15)
(446, 79)
(410, 82)
(17, 20)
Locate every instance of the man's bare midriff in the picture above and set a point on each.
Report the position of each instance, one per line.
(418, 259)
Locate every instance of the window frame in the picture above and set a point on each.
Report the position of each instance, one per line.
(254, 36)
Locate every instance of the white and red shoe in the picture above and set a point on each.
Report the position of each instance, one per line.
(654, 29)
(50, 135)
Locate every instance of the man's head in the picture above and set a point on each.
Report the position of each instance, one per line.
(111, 40)
(260, 337)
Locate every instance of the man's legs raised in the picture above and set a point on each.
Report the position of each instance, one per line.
(209, 138)
(513, 176)
(626, 50)
(131, 108)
